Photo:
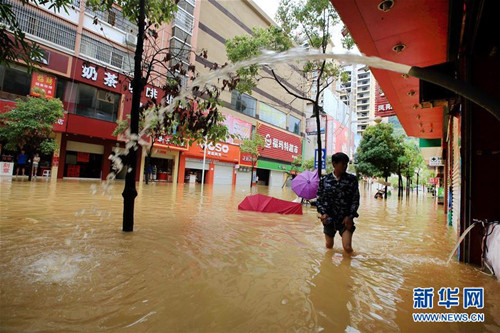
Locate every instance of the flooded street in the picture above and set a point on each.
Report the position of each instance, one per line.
(196, 263)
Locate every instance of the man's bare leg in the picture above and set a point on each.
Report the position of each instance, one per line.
(328, 241)
(346, 241)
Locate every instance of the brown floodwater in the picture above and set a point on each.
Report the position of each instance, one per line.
(196, 263)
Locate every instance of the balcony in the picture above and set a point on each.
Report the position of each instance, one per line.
(42, 25)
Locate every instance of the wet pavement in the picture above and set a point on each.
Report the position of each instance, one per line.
(196, 263)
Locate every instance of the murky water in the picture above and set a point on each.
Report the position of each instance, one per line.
(196, 263)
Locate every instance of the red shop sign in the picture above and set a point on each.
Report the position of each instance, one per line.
(45, 83)
(99, 76)
(279, 144)
(163, 142)
(245, 159)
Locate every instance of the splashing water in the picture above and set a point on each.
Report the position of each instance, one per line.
(209, 80)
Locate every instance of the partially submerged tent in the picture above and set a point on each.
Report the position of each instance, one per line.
(267, 204)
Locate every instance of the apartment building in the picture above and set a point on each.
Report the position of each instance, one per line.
(89, 60)
(358, 92)
(87, 63)
(268, 111)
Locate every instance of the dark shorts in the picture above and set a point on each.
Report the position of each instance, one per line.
(331, 228)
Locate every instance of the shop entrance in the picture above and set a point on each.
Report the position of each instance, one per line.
(82, 165)
(263, 176)
(194, 176)
(161, 169)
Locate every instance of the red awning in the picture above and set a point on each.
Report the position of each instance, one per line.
(422, 26)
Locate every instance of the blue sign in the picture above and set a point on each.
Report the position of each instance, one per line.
(323, 158)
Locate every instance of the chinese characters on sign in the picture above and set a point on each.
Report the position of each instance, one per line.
(89, 72)
(382, 106)
(423, 298)
(45, 83)
(279, 144)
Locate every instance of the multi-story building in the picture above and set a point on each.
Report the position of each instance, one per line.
(358, 92)
(89, 60)
(87, 63)
(268, 111)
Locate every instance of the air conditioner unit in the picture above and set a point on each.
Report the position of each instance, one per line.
(131, 40)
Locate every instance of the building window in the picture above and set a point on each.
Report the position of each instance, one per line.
(15, 80)
(187, 6)
(36, 22)
(107, 54)
(271, 115)
(97, 103)
(294, 124)
(243, 103)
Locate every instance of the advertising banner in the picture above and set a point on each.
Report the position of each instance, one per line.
(311, 128)
(279, 144)
(238, 127)
(45, 83)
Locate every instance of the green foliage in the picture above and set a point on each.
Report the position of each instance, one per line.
(347, 42)
(245, 47)
(252, 146)
(29, 125)
(308, 164)
(157, 11)
(378, 151)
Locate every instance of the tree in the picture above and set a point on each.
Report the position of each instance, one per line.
(252, 147)
(377, 153)
(303, 23)
(187, 119)
(29, 124)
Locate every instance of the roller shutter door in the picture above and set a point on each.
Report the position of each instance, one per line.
(243, 179)
(455, 178)
(276, 178)
(223, 174)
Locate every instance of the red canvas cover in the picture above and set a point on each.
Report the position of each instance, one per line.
(267, 204)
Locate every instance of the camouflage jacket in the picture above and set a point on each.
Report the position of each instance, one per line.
(338, 198)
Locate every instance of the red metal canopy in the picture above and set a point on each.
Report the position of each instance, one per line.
(422, 27)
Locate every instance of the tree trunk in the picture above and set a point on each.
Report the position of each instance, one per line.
(129, 192)
(417, 181)
(30, 167)
(385, 194)
(146, 167)
(318, 127)
(251, 175)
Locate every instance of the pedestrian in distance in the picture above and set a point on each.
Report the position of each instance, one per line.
(21, 162)
(338, 202)
(36, 161)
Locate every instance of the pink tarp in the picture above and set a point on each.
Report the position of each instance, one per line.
(266, 204)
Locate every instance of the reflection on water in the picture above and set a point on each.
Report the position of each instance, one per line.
(197, 263)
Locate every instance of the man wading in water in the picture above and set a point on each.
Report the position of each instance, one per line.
(338, 202)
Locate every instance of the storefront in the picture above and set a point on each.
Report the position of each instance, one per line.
(221, 161)
(164, 163)
(244, 170)
(280, 150)
(48, 79)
